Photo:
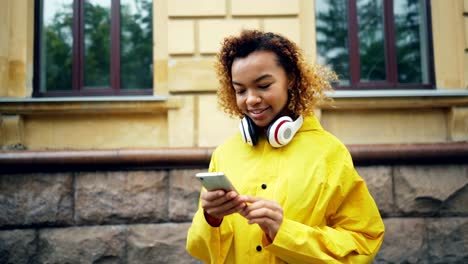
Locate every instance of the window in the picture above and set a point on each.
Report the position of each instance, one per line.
(376, 44)
(93, 47)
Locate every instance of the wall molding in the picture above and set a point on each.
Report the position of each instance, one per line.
(170, 158)
(88, 105)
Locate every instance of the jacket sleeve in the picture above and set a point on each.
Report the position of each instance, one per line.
(203, 240)
(352, 231)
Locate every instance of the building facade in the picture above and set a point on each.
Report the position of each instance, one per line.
(108, 108)
(185, 35)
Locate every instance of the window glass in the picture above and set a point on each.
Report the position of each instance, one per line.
(410, 34)
(93, 47)
(136, 41)
(97, 28)
(371, 40)
(56, 45)
(376, 44)
(332, 37)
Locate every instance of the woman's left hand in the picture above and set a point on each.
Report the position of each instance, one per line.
(266, 213)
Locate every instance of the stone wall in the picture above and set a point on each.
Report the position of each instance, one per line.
(142, 216)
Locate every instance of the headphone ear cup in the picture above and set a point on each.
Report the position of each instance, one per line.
(277, 132)
(248, 131)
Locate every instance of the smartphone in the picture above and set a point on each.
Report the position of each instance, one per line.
(215, 181)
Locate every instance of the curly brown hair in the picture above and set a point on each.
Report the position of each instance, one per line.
(310, 81)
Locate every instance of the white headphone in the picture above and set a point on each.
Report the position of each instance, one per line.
(279, 133)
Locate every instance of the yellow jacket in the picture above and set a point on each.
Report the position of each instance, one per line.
(329, 215)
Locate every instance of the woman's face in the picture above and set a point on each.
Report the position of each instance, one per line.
(261, 86)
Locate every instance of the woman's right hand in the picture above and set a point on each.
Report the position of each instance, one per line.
(217, 204)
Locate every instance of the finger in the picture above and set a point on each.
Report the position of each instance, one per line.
(263, 213)
(227, 208)
(263, 204)
(264, 222)
(250, 199)
(213, 195)
(218, 198)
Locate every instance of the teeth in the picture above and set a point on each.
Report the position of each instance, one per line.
(256, 112)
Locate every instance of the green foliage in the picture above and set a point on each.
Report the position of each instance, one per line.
(332, 36)
(97, 45)
(136, 47)
(136, 41)
(371, 40)
(332, 39)
(57, 52)
(408, 43)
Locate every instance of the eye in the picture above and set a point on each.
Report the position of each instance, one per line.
(239, 91)
(264, 86)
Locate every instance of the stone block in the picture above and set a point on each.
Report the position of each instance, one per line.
(383, 126)
(160, 75)
(181, 123)
(121, 197)
(181, 37)
(116, 130)
(17, 246)
(448, 29)
(430, 190)
(183, 8)
(97, 244)
(466, 26)
(36, 199)
(447, 240)
(214, 126)
(158, 243)
(213, 31)
(457, 203)
(4, 68)
(466, 63)
(201, 71)
(184, 194)
(11, 132)
(18, 45)
(458, 120)
(379, 182)
(288, 27)
(403, 241)
(262, 7)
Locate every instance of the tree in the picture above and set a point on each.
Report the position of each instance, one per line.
(57, 51)
(332, 36)
(371, 40)
(408, 42)
(136, 47)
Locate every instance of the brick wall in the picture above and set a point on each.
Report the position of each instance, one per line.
(141, 216)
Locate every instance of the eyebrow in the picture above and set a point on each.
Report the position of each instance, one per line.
(265, 76)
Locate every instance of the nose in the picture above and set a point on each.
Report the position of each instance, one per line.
(253, 98)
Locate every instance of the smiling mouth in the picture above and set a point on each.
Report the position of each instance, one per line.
(256, 113)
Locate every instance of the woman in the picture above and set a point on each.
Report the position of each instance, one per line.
(300, 199)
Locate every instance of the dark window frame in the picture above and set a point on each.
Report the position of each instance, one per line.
(78, 89)
(391, 82)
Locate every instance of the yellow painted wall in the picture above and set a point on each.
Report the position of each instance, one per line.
(16, 45)
(95, 131)
(449, 29)
(187, 34)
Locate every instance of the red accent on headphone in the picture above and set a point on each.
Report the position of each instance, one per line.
(276, 131)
